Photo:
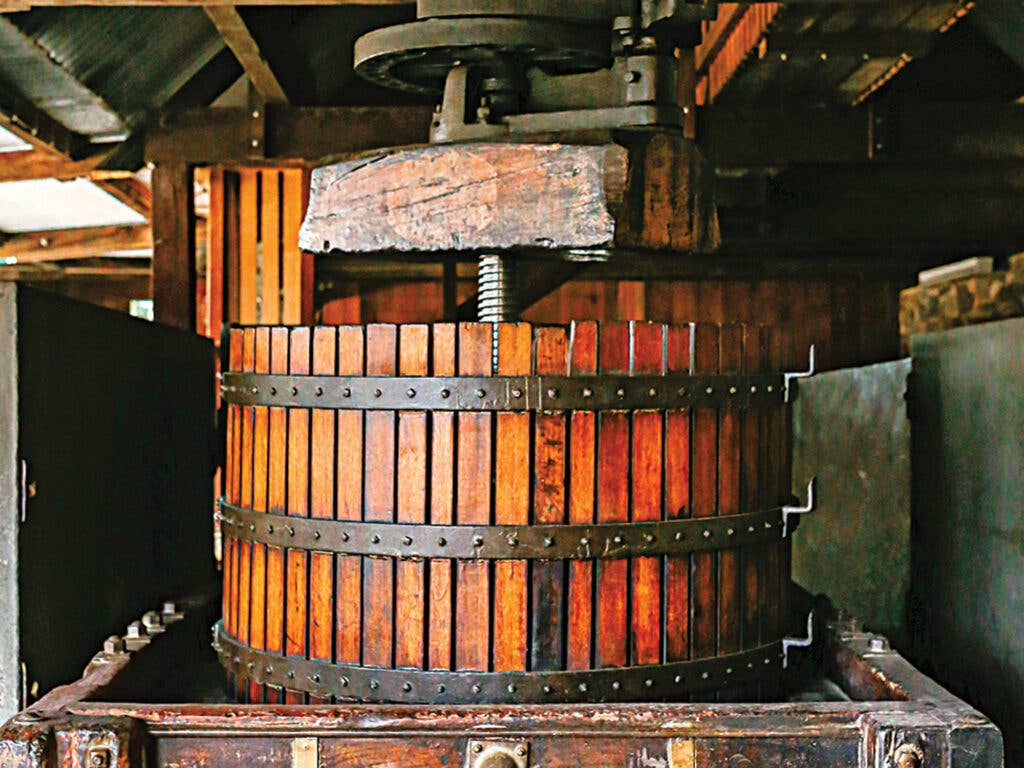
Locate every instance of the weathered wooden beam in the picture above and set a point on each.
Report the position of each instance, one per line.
(130, 190)
(874, 45)
(239, 39)
(291, 135)
(174, 236)
(40, 164)
(80, 243)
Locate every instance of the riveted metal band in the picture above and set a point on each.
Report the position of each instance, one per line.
(505, 393)
(502, 542)
(654, 682)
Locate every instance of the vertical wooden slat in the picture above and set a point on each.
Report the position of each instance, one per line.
(729, 590)
(646, 469)
(174, 246)
(512, 502)
(247, 271)
(297, 609)
(234, 438)
(582, 501)
(473, 506)
(677, 501)
(270, 237)
(613, 478)
(245, 496)
(215, 255)
(291, 256)
(261, 438)
(410, 590)
(232, 256)
(442, 497)
(379, 503)
(277, 503)
(548, 610)
(322, 483)
(348, 568)
(704, 463)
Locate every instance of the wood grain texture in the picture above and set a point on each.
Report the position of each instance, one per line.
(677, 500)
(322, 485)
(270, 241)
(261, 439)
(248, 218)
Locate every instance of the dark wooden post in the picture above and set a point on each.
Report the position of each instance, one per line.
(174, 245)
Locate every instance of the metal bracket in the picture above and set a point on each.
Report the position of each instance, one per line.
(789, 377)
(812, 502)
(798, 642)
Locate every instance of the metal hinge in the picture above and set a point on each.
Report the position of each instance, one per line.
(788, 378)
(812, 502)
(798, 642)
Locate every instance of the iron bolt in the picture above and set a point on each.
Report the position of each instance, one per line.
(908, 756)
(113, 644)
(517, 393)
(478, 748)
(552, 392)
(99, 758)
(135, 629)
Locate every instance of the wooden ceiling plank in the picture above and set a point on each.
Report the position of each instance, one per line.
(81, 243)
(239, 39)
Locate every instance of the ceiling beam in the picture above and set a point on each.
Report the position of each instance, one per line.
(239, 39)
(39, 164)
(35, 127)
(130, 190)
(81, 243)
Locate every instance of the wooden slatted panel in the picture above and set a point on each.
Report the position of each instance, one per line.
(677, 501)
(512, 470)
(322, 483)
(582, 501)
(292, 210)
(473, 506)
(270, 240)
(379, 503)
(248, 310)
(548, 615)
(442, 495)
(410, 591)
(348, 568)
(245, 497)
(213, 302)
(277, 502)
(261, 442)
(234, 439)
(297, 608)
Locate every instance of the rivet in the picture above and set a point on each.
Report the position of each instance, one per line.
(478, 748)
(252, 526)
(617, 539)
(678, 679)
(374, 685)
(679, 536)
(767, 661)
(295, 391)
(547, 689)
(652, 392)
(767, 525)
(316, 535)
(510, 688)
(517, 393)
(707, 534)
(346, 392)
(407, 540)
(728, 670)
(441, 541)
(251, 665)
(344, 682)
(315, 678)
(377, 393)
(481, 393)
(344, 535)
(681, 391)
(703, 675)
(552, 392)
(478, 541)
(750, 665)
(445, 394)
(583, 687)
(319, 391)
(620, 393)
(548, 541)
(410, 392)
(648, 682)
(513, 541)
(273, 391)
(291, 531)
(753, 390)
(269, 670)
(375, 539)
(476, 689)
(584, 541)
(616, 685)
(732, 390)
(521, 750)
(588, 392)
(406, 687)
(731, 531)
(291, 674)
(648, 538)
(441, 689)
(710, 390)
(770, 387)
(750, 529)
(270, 529)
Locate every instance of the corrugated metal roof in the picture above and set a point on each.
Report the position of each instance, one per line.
(11, 143)
(30, 206)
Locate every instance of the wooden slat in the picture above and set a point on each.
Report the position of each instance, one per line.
(297, 569)
(703, 582)
(512, 502)
(234, 440)
(291, 257)
(261, 447)
(277, 502)
(729, 456)
(215, 258)
(473, 506)
(582, 501)
(322, 483)
(247, 270)
(245, 498)
(646, 469)
(677, 501)
(239, 39)
(442, 496)
(270, 237)
(379, 503)
(79, 243)
(410, 587)
(548, 610)
(613, 478)
(348, 568)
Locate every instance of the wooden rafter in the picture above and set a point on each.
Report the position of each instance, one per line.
(81, 243)
(239, 39)
(40, 164)
(130, 190)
